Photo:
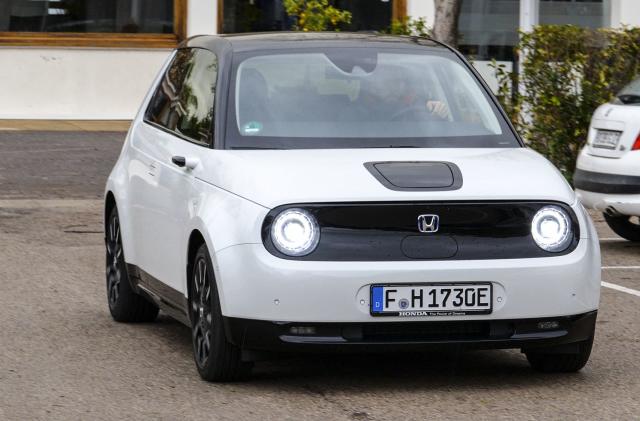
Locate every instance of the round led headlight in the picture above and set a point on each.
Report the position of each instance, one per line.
(295, 232)
(551, 229)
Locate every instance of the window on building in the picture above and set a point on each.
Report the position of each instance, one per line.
(488, 29)
(269, 15)
(590, 14)
(92, 22)
(254, 16)
(184, 99)
(367, 15)
(141, 16)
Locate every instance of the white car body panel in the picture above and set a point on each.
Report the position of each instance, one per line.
(623, 118)
(340, 175)
(339, 291)
(625, 204)
(620, 161)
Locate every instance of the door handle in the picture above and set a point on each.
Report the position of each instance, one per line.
(182, 162)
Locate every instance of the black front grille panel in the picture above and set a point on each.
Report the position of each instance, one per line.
(413, 331)
(389, 231)
(432, 331)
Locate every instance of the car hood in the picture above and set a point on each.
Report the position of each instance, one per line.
(276, 177)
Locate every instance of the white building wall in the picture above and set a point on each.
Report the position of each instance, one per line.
(202, 17)
(109, 83)
(75, 84)
(625, 12)
(86, 83)
(422, 8)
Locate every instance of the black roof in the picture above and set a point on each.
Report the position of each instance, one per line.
(277, 40)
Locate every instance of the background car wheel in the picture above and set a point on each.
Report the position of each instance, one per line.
(560, 363)
(217, 359)
(124, 304)
(627, 227)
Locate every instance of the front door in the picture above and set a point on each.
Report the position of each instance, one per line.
(177, 131)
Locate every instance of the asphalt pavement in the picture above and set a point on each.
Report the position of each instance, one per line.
(63, 357)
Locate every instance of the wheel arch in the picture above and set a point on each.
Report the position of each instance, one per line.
(196, 240)
(220, 220)
(200, 235)
(109, 205)
(115, 197)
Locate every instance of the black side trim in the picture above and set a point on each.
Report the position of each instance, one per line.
(416, 175)
(168, 299)
(411, 335)
(606, 183)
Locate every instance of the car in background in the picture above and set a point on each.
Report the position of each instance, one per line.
(343, 193)
(607, 176)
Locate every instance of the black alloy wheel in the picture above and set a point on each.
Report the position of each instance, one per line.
(114, 254)
(217, 359)
(201, 312)
(124, 304)
(627, 227)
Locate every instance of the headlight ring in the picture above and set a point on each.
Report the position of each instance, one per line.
(551, 229)
(295, 232)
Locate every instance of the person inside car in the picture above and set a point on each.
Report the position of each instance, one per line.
(392, 88)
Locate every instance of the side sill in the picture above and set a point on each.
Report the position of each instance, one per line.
(169, 300)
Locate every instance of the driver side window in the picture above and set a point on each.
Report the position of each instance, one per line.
(184, 99)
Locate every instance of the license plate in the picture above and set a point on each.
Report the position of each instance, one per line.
(607, 139)
(431, 299)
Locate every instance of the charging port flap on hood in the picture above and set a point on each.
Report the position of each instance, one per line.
(416, 176)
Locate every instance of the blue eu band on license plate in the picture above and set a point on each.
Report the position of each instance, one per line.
(431, 299)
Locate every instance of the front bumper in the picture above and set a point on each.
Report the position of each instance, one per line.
(558, 333)
(254, 284)
(608, 184)
(624, 204)
(597, 182)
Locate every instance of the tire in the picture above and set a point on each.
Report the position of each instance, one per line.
(124, 304)
(217, 359)
(624, 226)
(560, 363)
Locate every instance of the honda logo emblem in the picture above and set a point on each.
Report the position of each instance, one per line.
(428, 223)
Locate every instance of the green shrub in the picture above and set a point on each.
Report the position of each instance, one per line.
(315, 15)
(409, 26)
(566, 73)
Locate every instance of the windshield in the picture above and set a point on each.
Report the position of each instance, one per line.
(630, 94)
(361, 98)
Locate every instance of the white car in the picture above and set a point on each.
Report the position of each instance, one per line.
(607, 176)
(343, 192)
